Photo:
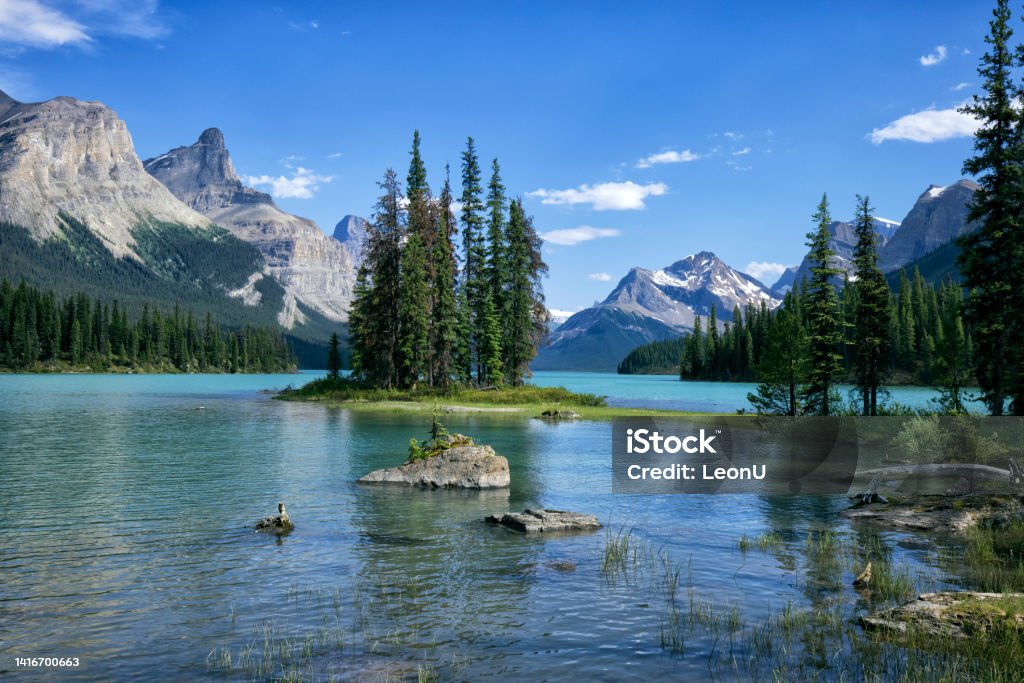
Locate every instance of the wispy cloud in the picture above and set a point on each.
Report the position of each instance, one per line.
(600, 277)
(335, 155)
(935, 57)
(304, 25)
(615, 196)
(960, 86)
(742, 152)
(32, 24)
(670, 156)
(759, 269)
(930, 125)
(302, 184)
(570, 237)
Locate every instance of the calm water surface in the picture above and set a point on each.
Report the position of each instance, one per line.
(127, 515)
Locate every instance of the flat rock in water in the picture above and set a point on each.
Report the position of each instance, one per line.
(466, 467)
(955, 514)
(560, 415)
(951, 614)
(540, 520)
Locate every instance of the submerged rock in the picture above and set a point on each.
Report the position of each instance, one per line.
(466, 466)
(560, 415)
(277, 524)
(951, 614)
(942, 513)
(540, 520)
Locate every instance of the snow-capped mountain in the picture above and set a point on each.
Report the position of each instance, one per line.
(843, 243)
(649, 305)
(937, 218)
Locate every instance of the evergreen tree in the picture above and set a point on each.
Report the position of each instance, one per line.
(525, 316)
(952, 357)
(871, 311)
(783, 366)
(497, 270)
(474, 261)
(413, 314)
(824, 325)
(334, 357)
(444, 336)
(988, 260)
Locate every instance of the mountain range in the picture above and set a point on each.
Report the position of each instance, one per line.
(654, 305)
(650, 305)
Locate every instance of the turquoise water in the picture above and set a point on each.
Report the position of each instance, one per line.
(128, 541)
(665, 391)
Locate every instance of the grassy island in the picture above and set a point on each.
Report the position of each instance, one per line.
(526, 400)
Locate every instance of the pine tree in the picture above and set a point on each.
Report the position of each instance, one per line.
(526, 318)
(783, 365)
(444, 335)
(987, 260)
(821, 307)
(871, 311)
(497, 270)
(334, 357)
(413, 314)
(474, 259)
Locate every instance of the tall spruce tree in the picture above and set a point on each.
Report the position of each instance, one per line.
(824, 322)
(871, 311)
(334, 357)
(474, 261)
(497, 269)
(526, 317)
(783, 364)
(444, 331)
(987, 260)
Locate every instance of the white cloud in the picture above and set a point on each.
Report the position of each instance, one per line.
(759, 269)
(670, 156)
(303, 184)
(930, 125)
(935, 57)
(733, 135)
(619, 196)
(960, 86)
(600, 277)
(29, 22)
(570, 237)
(335, 155)
(32, 23)
(742, 152)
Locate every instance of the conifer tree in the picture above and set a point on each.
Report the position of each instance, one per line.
(987, 260)
(413, 314)
(444, 334)
(871, 311)
(824, 324)
(334, 357)
(497, 269)
(783, 365)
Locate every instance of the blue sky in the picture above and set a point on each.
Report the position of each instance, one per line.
(637, 133)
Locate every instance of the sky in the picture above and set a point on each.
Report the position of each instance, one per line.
(636, 133)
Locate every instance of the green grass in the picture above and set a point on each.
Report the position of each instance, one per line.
(524, 401)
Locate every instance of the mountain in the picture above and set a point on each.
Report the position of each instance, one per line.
(68, 158)
(649, 305)
(843, 242)
(351, 232)
(79, 213)
(935, 267)
(314, 269)
(938, 217)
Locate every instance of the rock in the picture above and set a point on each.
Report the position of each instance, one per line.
(540, 520)
(466, 466)
(950, 614)
(278, 524)
(942, 513)
(560, 415)
(315, 269)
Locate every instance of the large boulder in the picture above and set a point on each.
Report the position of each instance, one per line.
(533, 520)
(466, 466)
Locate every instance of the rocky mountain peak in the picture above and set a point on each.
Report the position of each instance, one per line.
(202, 175)
(67, 157)
(351, 232)
(937, 218)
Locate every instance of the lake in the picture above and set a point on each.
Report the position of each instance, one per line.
(128, 504)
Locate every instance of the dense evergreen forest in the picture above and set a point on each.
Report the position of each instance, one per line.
(430, 313)
(919, 319)
(39, 331)
(656, 358)
(180, 265)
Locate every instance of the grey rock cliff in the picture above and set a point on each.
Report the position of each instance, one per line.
(315, 270)
(351, 231)
(66, 156)
(938, 217)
